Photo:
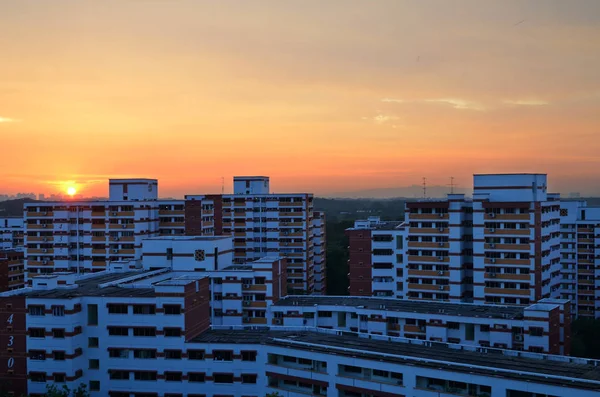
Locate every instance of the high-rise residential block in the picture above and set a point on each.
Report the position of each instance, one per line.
(11, 233)
(502, 246)
(264, 224)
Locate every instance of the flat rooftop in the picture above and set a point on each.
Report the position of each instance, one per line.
(90, 287)
(190, 238)
(381, 225)
(405, 306)
(490, 362)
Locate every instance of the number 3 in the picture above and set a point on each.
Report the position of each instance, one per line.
(11, 339)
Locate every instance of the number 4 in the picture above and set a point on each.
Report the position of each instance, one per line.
(10, 319)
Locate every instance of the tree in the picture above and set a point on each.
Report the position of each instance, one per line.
(54, 391)
(275, 394)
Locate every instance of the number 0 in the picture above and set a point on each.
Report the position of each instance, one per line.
(10, 319)
(11, 362)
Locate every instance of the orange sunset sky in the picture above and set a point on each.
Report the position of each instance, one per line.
(323, 96)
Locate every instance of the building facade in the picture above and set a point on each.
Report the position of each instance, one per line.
(87, 236)
(501, 247)
(264, 224)
(11, 233)
(12, 273)
(542, 327)
(580, 257)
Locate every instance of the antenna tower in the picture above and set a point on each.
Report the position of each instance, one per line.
(452, 185)
(424, 187)
(222, 185)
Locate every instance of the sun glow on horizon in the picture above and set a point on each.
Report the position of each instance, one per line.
(71, 190)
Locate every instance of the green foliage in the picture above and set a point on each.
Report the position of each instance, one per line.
(275, 394)
(584, 338)
(337, 257)
(54, 391)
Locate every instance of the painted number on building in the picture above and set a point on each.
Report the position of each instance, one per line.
(11, 339)
(10, 319)
(11, 362)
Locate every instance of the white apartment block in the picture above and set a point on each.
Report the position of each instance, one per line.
(542, 327)
(516, 239)
(11, 233)
(265, 224)
(502, 246)
(146, 333)
(580, 257)
(88, 235)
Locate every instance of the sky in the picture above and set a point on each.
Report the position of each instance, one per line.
(322, 96)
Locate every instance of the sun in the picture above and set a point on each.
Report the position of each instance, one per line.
(71, 190)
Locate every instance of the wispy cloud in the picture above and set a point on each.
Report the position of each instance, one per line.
(456, 103)
(381, 119)
(8, 120)
(526, 102)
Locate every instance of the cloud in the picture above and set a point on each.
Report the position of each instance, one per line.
(526, 102)
(456, 103)
(8, 120)
(383, 118)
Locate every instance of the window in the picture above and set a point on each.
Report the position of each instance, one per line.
(223, 378)
(173, 354)
(536, 331)
(92, 314)
(114, 308)
(144, 309)
(249, 378)
(173, 376)
(397, 377)
(380, 373)
(118, 353)
(172, 309)
(144, 375)
(94, 385)
(37, 376)
(195, 354)
(144, 331)
(484, 328)
(37, 311)
(59, 355)
(119, 375)
(172, 332)
(222, 355)
(59, 378)
(118, 331)
(58, 311)
(37, 355)
(58, 333)
(144, 353)
(248, 356)
(195, 377)
(93, 342)
(94, 363)
(452, 325)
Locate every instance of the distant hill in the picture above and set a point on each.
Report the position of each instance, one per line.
(411, 192)
(13, 207)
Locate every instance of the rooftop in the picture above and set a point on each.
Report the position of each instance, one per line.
(189, 238)
(556, 370)
(89, 286)
(407, 306)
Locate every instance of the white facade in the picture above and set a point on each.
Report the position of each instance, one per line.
(188, 253)
(133, 189)
(11, 233)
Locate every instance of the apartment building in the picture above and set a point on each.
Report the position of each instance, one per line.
(319, 252)
(264, 223)
(543, 327)
(146, 333)
(11, 233)
(580, 257)
(440, 250)
(239, 293)
(87, 235)
(516, 239)
(502, 246)
(12, 272)
(376, 258)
